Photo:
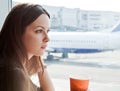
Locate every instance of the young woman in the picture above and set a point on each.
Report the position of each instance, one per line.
(23, 40)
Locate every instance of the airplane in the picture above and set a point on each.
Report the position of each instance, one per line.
(84, 42)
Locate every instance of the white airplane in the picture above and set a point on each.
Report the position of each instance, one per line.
(84, 42)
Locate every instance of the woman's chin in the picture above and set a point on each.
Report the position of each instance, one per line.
(40, 54)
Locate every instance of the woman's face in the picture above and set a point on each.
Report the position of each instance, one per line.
(35, 37)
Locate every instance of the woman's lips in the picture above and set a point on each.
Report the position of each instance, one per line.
(43, 47)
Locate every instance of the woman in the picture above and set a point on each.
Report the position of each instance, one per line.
(23, 40)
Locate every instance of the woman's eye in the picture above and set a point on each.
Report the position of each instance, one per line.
(38, 31)
(48, 30)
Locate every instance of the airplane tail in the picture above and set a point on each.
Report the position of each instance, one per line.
(116, 28)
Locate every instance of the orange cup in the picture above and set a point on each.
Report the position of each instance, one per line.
(79, 84)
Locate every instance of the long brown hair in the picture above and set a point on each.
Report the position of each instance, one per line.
(11, 45)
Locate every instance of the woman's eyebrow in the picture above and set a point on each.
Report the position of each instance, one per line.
(40, 26)
(47, 28)
(44, 28)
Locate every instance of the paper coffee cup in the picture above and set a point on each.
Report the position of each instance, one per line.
(79, 83)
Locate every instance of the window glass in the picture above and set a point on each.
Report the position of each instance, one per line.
(84, 41)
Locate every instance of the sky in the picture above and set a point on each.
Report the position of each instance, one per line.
(104, 5)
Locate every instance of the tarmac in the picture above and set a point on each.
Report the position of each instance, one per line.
(64, 85)
(102, 78)
(102, 68)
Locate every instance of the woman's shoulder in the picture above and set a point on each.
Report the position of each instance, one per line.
(12, 77)
(9, 69)
(15, 78)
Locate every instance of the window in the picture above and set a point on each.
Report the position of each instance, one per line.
(95, 54)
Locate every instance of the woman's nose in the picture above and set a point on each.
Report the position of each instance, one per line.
(46, 38)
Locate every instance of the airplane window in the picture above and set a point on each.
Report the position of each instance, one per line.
(84, 41)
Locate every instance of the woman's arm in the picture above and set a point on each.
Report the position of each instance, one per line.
(45, 81)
